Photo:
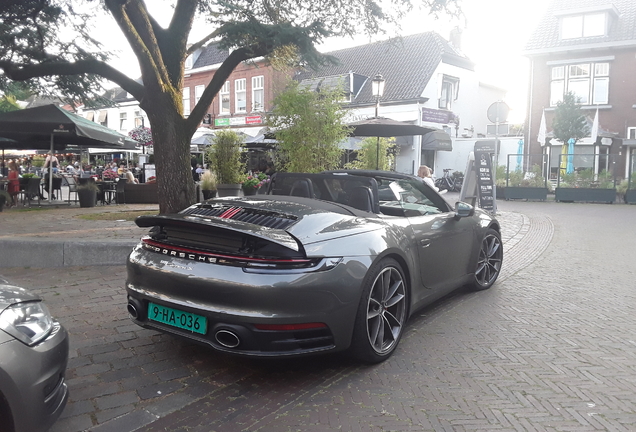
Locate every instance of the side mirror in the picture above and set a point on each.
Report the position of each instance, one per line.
(463, 210)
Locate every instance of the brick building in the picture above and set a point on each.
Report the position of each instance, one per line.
(587, 47)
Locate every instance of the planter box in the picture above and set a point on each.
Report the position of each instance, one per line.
(227, 190)
(630, 196)
(585, 195)
(527, 193)
(143, 193)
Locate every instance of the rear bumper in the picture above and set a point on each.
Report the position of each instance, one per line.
(32, 380)
(234, 300)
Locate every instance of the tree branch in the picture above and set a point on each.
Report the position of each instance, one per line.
(23, 73)
(195, 46)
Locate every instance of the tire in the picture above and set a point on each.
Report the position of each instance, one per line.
(489, 260)
(382, 313)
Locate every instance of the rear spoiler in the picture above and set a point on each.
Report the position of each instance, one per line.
(277, 236)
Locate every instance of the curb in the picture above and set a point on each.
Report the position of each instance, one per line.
(71, 252)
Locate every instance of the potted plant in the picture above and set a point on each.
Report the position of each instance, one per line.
(87, 194)
(530, 185)
(224, 156)
(208, 184)
(4, 198)
(585, 186)
(250, 185)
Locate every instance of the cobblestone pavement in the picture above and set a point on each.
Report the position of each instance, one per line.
(124, 378)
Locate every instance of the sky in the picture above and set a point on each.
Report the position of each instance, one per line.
(494, 33)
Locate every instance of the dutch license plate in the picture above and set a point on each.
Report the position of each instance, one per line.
(176, 318)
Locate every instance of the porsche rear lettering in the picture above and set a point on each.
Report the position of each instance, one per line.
(177, 254)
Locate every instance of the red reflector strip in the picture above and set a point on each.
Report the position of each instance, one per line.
(167, 249)
(283, 327)
(229, 213)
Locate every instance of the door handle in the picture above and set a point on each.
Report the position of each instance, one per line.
(425, 242)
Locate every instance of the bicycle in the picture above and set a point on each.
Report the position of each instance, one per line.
(446, 182)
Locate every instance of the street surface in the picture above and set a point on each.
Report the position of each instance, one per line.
(550, 347)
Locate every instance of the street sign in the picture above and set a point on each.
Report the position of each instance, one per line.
(498, 112)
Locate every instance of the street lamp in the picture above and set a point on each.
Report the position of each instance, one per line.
(377, 89)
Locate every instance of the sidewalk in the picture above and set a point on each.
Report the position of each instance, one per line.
(59, 237)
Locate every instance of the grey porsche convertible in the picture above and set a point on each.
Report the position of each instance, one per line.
(317, 263)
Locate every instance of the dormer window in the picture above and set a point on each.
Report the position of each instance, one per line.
(189, 62)
(587, 25)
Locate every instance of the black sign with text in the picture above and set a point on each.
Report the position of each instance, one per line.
(483, 169)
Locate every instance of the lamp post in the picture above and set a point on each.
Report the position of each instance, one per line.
(377, 89)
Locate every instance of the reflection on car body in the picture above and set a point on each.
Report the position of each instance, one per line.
(318, 263)
(33, 357)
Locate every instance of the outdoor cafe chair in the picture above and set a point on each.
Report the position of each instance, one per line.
(31, 191)
(72, 188)
(120, 196)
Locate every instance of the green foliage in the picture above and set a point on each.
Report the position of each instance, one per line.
(532, 178)
(585, 178)
(38, 161)
(8, 103)
(309, 126)
(568, 121)
(225, 156)
(367, 157)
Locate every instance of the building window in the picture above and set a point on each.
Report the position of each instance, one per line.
(240, 95)
(186, 101)
(588, 25)
(449, 89)
(631, 133)
(258, 93)
(139, 120)
(588, 82)
(103, 118)
(122, 121)
(225, 99)
(189, 62)
(198, 92)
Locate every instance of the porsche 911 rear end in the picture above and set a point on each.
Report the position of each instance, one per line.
(232, 276)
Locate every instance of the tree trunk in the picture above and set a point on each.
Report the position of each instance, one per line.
(172, 156)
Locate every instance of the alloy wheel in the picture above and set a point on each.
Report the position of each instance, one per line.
(386, 310)
(489, 262)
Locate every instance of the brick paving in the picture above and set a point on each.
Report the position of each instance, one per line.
(123, 378)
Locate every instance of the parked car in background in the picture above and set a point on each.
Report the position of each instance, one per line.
(320, 263)
(34, 352)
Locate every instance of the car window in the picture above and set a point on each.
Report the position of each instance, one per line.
(404, 197)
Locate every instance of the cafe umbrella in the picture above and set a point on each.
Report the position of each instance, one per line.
(385, 128)
(31, 128)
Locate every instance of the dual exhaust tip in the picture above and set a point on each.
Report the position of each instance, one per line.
(224, 337)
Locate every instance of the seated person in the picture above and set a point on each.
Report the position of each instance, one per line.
(130, 177)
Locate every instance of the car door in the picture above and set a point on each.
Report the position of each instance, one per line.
(444, 242)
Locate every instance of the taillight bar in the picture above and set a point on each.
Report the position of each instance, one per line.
(197, 255)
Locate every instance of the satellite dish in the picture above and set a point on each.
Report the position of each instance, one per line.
(498, 112)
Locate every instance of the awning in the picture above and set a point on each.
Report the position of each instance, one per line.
(437, 140)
